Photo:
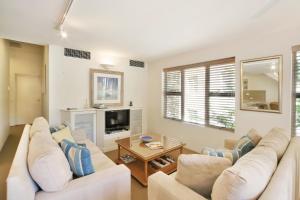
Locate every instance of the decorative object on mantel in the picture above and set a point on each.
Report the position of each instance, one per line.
(130, 103)
(261, 82)
(106, 87)
(100, 106)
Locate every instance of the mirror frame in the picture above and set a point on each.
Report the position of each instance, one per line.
(242, 62)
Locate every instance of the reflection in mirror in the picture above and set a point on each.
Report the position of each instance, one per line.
(260, 84)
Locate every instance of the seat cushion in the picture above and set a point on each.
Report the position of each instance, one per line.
(249, 176)
(40, 124)
(64, 133)
(199, 172)
(47, 163)
(276, 139)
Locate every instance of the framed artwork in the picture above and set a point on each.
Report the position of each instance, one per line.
(106, 87)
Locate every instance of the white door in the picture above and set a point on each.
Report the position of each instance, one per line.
(28, 98)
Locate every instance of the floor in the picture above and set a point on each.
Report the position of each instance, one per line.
(8, 151)
(6, 156)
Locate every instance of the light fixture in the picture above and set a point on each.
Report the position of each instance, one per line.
(105, 66)
(62, 31)
(273, 67)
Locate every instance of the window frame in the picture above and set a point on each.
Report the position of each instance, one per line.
(295, 95)
(206, 65)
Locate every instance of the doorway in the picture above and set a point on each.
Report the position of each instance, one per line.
(26, 63)
(28, 98)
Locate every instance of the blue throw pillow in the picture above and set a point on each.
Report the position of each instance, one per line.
(232, 155)
(244, 145)
(79, 158)
(66, 145)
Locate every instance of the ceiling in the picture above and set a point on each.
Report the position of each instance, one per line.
(144, 29)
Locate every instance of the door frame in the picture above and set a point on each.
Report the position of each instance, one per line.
(16, 92)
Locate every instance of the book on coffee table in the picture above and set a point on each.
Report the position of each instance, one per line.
(154, 145)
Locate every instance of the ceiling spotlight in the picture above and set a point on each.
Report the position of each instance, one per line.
(63, 34)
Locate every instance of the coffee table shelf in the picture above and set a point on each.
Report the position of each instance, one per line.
(137, 169)
(140, 168)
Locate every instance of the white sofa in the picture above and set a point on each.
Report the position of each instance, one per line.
(283, 185)
(109, 182)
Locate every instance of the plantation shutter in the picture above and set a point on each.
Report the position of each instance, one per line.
(173, 95)
(221, 95)
(194, 95)
(202, 93)
(296, 61)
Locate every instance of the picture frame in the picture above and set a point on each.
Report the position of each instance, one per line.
(106, 87)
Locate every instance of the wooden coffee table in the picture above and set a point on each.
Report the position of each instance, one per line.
(140, 168)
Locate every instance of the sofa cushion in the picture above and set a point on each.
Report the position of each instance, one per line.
(276, 139)
(39, 124)
(64, 133)
(199, 172)
(47, 163)
(232, 155)
(249, 176)
(79, 158)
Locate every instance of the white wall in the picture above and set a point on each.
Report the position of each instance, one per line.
(27, 59)
(4, 98)
(69, 81)
(196, 137)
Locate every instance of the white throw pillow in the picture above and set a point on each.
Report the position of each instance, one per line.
(199, 172)
(40, 124)
(276, 139)
(249, 176)
(64, 133)
(47, 163)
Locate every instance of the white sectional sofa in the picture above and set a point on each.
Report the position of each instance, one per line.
(283, 184)
(109, 182)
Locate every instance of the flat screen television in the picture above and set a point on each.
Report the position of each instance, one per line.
(116, 120)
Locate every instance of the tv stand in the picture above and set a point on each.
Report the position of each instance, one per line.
(106, 137)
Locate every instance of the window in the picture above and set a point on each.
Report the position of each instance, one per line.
(296, 64)
(202, 93)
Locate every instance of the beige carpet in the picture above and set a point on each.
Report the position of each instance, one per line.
(6, 156)
(138, 192)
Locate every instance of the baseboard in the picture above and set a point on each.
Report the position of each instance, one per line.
(3, 142)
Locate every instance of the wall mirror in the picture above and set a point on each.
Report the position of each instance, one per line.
(261, 84)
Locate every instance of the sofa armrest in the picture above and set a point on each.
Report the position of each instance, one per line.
(229, 143)
(112, 183)
(162, 186)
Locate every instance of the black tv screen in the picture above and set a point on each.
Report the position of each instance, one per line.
(117, 119)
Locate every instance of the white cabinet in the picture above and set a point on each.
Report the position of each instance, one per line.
(107, 141)
(136, 121)
(84, 120)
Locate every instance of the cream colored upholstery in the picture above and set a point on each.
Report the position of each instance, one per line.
(248, 177)
(109, 182)
(47, 163)
(39, 124)
(199, 172)
(276, 139)
(283, 185)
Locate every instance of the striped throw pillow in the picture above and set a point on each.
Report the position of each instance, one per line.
(244, 145)
(232, 155)
(79, 158)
